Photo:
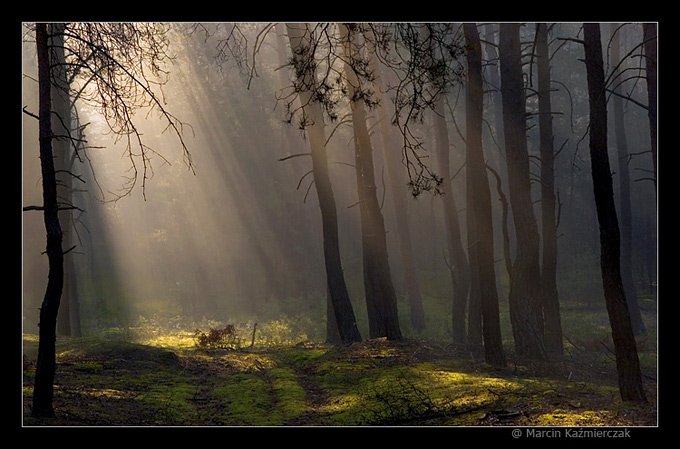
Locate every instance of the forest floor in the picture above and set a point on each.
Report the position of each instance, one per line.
(110, 382)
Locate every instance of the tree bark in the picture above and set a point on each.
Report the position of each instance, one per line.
(399, 195)
(525, 275)
(626, 216)
(627, 362)
(650, 43)
(337, 288)
(459, 264)
(480, 206)
(381, 299)
(46, 363)
(549, 298)
(68, 321)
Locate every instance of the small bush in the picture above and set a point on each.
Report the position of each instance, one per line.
(217, 338)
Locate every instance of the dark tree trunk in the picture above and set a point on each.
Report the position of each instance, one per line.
(68, 321)
(480, 206)
(46, 364)
(337, 288)
(525, 277)
(549, 298)
(332, 332)
(475, 326)
(649, 37)
(335, 278)
(627, 362)
(626, 216)
(459, 265)
(399, 194)
(381, 299)
(491, 77)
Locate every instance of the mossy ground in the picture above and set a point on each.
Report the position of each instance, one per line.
(170, 382)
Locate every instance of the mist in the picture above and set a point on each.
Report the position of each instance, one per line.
(339, 224)
(234, 235)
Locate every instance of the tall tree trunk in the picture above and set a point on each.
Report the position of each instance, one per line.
(68, 321)
(46, 364)
(459, 265)
(493, 78)
(480, 206)
(525, 276)
(549, 297)
(475, 331)
(627, 362)
(625, 213)
(381, 299)
(337, 288)
(399, 194)
(650, 43)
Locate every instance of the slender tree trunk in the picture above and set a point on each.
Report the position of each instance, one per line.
(459, 265)
(625, 213)
(399, 195)
(480, 206)
(493, 78)
(337, 288)
(46, 364)
(495, 159)
(68, 322)
(627, 362)
(475, 330)
(332, 332)
(381, 299)
(649, 36)
(525, 276)
(549, 298)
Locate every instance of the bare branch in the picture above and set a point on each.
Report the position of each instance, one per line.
(30, 113)
(294, 155)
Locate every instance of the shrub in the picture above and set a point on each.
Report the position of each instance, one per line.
(217, 338)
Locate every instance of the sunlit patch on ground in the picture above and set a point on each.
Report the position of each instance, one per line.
(163, 377)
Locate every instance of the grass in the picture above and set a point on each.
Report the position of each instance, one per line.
(150, 376)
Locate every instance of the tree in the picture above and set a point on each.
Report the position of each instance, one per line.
(68, 322)
(391, 149)
(45, 367)
(117, 67)
(649, 37)
(627, 362)
(525, 268)
(381, 301)
(304, 65)
(433, 62)
(625, 212)
(480, 205)
(458, 264)
(491, 78)
(549, 298)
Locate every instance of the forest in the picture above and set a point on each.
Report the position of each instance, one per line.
(339, 224)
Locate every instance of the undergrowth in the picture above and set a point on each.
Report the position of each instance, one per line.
(168, 372)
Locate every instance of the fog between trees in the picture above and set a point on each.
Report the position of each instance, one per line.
(237, 236)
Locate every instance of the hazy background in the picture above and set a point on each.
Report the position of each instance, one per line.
(240, 239)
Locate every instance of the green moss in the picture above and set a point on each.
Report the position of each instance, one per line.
(88, 366)
(172, 402)
(290, 396)
(248, 398)
(377, 382)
